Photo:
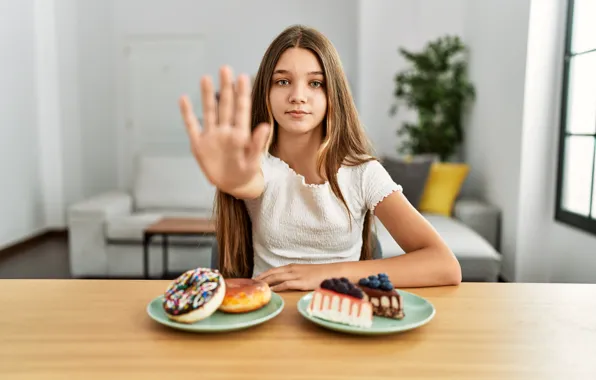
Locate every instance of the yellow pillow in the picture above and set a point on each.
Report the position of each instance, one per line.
(442, 187)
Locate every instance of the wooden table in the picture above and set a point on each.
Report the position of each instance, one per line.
(98, 329)
(173, 226)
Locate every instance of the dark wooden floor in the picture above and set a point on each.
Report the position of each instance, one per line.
(46, 257)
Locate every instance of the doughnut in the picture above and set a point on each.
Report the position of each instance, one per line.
(244, 295)
(194, 295)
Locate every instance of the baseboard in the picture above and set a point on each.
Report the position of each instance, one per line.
(32, 240)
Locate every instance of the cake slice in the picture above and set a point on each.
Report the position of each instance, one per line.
(340, 301)
(385, 299)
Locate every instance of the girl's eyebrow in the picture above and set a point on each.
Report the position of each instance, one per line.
(280, 71)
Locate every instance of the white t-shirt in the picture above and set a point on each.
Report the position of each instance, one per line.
(296, 222)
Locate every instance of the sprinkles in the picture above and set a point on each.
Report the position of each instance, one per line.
(191, 290)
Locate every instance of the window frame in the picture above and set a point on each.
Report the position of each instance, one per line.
(586, 224)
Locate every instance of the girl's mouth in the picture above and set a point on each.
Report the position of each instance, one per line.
(297, 113)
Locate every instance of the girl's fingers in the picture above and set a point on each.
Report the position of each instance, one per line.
(286, 285)
(260, 137)
(278, 278)
(242, 116)
(226, 96)
(208, 96)
(190, 120)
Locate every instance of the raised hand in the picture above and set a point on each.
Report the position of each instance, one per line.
(225, 148)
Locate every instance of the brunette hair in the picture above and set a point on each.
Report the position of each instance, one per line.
(344, 143)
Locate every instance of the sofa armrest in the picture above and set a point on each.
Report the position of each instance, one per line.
(86, 232)
(481, 217)
(102, 206)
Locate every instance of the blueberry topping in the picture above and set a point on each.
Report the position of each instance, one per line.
(357, 293)
(372, 277)
(386, 285)
(327, 284)
(374, 284)
(342, 288)
(383, 276)
(363, 282)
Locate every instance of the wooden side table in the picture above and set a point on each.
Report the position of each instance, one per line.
(173, 226)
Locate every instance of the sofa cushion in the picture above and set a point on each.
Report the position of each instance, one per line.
(411, 174)
(478, 259)
(171, 183)
(130, 228)
(443, 186)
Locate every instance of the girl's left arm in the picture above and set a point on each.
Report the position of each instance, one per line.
(427, 261)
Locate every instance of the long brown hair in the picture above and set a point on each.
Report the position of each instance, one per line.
(344, 143)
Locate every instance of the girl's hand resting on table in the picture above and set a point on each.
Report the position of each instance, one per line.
(297, 276)
(225, 147)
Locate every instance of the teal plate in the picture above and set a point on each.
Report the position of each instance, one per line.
(417, 309)
(218, 321)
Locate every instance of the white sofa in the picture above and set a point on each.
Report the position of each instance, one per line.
(106, 231)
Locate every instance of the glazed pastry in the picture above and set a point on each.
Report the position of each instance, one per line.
(386, 301)
(244, 295)
(194, 295)
(340, 301)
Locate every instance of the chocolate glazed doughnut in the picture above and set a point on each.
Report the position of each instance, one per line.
(194, 296)
(244, 295)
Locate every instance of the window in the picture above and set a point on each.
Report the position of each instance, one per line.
(576, 179)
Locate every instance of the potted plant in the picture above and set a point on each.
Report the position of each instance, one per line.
(436, 86)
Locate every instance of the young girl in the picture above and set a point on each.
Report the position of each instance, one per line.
(297, 186)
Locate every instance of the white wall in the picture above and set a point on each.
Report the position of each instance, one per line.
(547, 250)
(386, 25)
(49, 115)
(512, 136)
(67, 39)
(496, 33)
(21, 204)
(97, 95)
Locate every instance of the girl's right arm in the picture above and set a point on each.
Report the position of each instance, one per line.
(228, 153)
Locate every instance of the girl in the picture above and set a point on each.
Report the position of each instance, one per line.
(297, 186)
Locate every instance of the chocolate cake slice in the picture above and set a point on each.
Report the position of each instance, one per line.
(380, 292)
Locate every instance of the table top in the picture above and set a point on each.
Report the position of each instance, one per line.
(94, 329)
(182, 226)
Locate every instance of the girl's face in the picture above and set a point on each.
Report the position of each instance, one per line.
(298, 98)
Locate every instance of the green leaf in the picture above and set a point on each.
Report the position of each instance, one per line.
(435, 84)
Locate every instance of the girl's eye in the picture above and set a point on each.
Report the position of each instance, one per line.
(316, 84)
(282, 82)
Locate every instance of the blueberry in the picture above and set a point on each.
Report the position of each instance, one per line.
(356, 293)
(363, 282)
(383, 276)
(327, 284)
(341, 288)
(372, 277)
(344, 280)
(374, 284)
(386, 285)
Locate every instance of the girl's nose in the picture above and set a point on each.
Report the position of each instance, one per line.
(298, 94)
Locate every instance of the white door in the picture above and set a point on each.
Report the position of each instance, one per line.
(157, 72)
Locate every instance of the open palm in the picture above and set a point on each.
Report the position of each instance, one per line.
(225, 147)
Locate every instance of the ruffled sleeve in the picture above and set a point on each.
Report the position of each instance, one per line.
(377, 184)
